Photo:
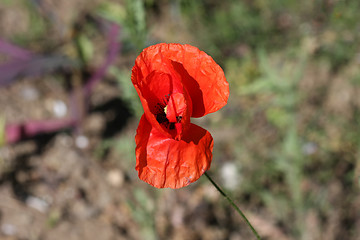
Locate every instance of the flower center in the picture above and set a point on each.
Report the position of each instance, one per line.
(172, 113)
(175, 108)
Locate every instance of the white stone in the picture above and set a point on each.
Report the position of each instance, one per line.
(59, 108)
(82, 142)
(230, 176)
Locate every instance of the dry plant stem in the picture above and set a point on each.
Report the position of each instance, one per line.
(234, 205)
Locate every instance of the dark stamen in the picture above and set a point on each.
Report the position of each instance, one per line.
(161, 115)
(161, 118)
(172, 126)
(178, 118)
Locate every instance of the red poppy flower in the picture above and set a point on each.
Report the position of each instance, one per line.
(175, 82)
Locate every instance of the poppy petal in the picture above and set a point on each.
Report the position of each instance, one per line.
(167, 163)
(152, 92)
(200, 74)
(156, 92)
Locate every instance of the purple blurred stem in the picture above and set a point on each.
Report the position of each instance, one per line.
(14, 51)
(17, 132)
(114, 47)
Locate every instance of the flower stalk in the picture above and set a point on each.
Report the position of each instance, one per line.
(233, 205)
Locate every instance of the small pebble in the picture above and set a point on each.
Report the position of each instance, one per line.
(8, 229)
(59, 108)
(115, 178)
(30, 93)
(82, 142)
(37, 203)
(230, 176)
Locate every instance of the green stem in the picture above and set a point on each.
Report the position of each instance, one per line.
(234, 206)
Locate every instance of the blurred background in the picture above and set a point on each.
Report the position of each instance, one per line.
(287, 144)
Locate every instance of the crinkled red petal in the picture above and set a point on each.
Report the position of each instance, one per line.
(167, 163)
(201, 76)
(155, 92)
